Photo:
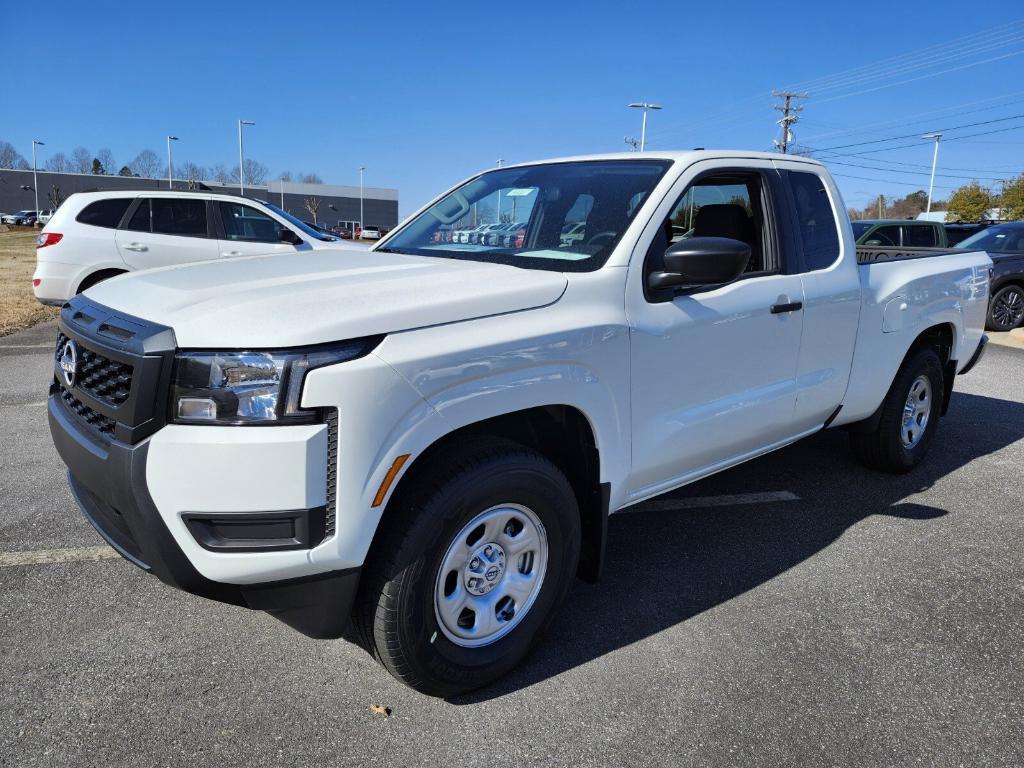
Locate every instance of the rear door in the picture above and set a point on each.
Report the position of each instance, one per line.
(245, 230)
(831, 291)
(160, 231)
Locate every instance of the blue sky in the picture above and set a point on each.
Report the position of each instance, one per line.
(424, 94)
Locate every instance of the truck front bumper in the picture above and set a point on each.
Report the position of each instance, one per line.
(109, 482)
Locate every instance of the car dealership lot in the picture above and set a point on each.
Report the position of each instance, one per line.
(799, 609)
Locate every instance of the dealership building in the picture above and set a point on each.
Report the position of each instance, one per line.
(338, 205)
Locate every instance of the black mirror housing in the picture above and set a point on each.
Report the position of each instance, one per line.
(702, 261)
(288, 236)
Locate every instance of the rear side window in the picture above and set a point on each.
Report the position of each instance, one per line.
(104, 213)
(175, 216)
(916, 236)
(139, 222)
(819, 234)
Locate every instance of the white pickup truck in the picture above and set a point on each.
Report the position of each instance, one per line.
(425, 440)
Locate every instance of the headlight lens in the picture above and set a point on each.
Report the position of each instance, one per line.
(251, 387)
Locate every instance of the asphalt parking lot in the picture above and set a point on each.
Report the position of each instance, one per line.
(822, 615)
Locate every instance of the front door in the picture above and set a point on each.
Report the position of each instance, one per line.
(248, 231)
(713, 369)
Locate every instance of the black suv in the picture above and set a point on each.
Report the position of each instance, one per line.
(1005, 246)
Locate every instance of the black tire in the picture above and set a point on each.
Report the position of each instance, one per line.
(883, 448)
(1006, 309)
(395, 618)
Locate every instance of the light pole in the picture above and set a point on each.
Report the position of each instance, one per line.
(935, 160)
(282, 194)
(170, 163)
(241, 157)
(361, 169)
(498, 192)
(35, 181)
(643, 129)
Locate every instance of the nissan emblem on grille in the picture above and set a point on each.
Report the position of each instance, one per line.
(69, 362)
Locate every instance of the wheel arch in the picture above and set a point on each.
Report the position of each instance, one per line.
(97, 276)
(561, 433)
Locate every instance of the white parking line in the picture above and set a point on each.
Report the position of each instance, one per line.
(23, 405)
(26, 346)
(46, 556)
(700, 502)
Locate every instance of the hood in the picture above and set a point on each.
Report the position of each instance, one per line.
(287, 300)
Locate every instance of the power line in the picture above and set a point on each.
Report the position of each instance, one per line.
(918, 143)
(831, 161)
(890, 181)
(911, 135)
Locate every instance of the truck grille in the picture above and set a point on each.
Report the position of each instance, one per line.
(120, 380)
(93, 419)
(105, 379)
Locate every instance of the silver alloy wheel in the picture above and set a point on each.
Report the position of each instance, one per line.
(916, 411)
(491, 575)
(1008, 308)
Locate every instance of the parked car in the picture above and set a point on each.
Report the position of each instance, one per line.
(94, 236)
(489, 234)
(27, 221)
(44, 216)
(370, 232)
(1004, 243)
(428, 442)
(18, 217)
(909, 233)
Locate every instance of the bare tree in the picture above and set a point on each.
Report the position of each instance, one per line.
(255, 172)
(311, 178)
(220, 173)
(285, 176)
(312, 204)
(189, 171)
(81, 160)
(146, 164)
(9, 156)
(58, 163)
(55, 196)
(106, 158)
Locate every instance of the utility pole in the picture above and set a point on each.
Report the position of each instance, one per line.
(633, 143)
(241, 157)
(35, 180)
(789, 116)
(935, 160)
(881, 206)
(170, 163)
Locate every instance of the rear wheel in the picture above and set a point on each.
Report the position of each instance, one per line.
(1006, 310)
(479, 551)
(98, 277)
(909, 417)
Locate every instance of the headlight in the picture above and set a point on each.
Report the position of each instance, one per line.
(255, 387)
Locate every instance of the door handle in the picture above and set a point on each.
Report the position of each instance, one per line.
(135, 247)
(793, 306)
(231, 253)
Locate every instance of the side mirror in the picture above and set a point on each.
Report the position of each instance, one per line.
(702, 261)
(288, 236)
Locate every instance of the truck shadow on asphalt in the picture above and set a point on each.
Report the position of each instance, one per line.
(664, 567)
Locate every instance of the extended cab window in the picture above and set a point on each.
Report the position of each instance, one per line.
(919, 236)
(140, 220)
(104, 213)
(245, 223)
(730, 205)
(177, 216)
(819, 234)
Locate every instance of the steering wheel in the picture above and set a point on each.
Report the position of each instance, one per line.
(600, 237)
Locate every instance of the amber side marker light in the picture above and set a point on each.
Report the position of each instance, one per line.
(389, 478)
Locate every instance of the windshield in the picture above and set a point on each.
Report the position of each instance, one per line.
(299, 224)
(1002, 237)
(595, 199)
(859, 228)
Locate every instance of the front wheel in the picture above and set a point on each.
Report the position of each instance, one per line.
(479, 551)
(909, 417)
(1006, 310)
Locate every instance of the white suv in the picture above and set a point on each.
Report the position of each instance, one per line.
(97, 235)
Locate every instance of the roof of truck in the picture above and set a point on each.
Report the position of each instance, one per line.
(691, 155)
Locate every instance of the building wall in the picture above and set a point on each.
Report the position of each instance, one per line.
(337, 203)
